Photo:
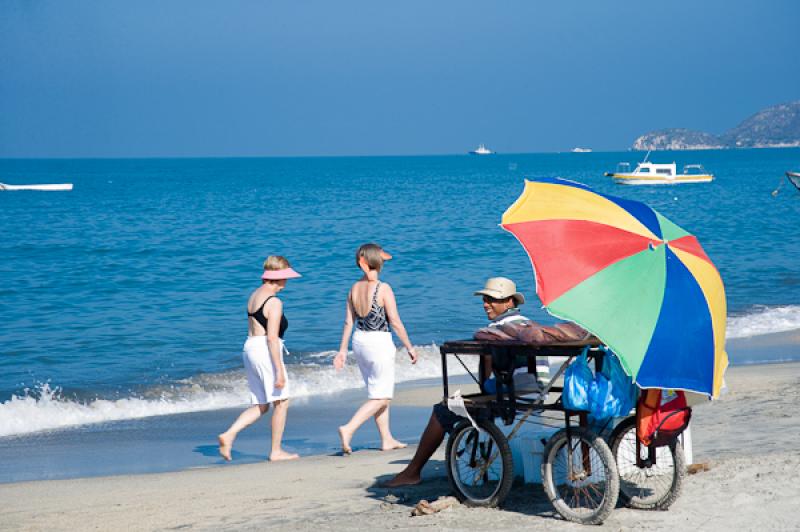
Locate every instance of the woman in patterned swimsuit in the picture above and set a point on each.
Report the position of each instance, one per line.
(372, 307)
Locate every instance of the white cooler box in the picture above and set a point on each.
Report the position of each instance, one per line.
(527, 449)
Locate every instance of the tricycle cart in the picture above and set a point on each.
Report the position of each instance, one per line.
(579, 472)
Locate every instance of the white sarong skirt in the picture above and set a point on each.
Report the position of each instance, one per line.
(261, 372)
(375, 352)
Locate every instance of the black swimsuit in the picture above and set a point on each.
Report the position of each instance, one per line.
(261, 318)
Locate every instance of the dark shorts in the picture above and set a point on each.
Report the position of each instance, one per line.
(447, 419)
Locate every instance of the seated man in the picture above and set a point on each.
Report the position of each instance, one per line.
(500, 302)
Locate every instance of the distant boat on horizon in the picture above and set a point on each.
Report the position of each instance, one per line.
(46, 188)
(581, 150)
(481, 150)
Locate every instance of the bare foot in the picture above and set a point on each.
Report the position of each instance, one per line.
(225, 446)
(393, 444)
(282, 455)
(402, 479)
(345, 436)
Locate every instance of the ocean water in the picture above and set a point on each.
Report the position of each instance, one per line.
(125, 298)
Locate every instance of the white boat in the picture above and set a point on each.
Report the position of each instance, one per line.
(481, 150)
(50, 188)
(581, 150)
(647, 173)
(794, 178)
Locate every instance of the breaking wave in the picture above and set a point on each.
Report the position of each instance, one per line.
(46, 408)
(764, 320)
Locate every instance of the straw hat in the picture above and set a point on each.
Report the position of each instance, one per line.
(501, 288)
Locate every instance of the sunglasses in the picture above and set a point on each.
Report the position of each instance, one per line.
(490, 299)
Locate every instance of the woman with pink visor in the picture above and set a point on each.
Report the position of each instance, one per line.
(371, 306)
(263, 359)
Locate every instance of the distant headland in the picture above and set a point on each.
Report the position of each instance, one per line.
(774, 127)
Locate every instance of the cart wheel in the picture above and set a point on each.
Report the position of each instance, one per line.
(479, 465)
(579, 476)
(647, 488)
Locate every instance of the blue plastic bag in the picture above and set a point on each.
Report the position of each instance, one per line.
(614, 393)
(602, 402)
(623, 389)
(578, 384)
(490, 386)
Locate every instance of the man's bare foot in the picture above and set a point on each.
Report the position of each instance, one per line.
(393, 444)
(402, 479)
(282, 455)
(225, 443)
(345, 436)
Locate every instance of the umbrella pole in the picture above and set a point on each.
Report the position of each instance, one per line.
(585, 449)
(639, 461)
(571, 472)
(642, 463)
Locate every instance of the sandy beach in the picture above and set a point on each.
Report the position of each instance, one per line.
(181, 181)
(749, 439)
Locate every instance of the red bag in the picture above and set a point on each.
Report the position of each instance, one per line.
(661, 415)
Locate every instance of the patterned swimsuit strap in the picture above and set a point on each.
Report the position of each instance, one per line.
(375, 297)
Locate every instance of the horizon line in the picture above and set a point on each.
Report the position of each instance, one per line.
(464, 154)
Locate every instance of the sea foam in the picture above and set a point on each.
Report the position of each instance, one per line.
(47, 408)
(764, 320)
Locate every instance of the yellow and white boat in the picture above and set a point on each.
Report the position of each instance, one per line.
(647, 173)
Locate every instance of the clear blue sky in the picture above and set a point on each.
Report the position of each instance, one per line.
(144, 78)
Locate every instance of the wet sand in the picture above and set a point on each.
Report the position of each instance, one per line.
(749, 438)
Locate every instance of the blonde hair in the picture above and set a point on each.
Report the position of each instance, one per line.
(276, 262)
(372, 255)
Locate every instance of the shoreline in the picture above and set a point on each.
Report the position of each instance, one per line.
(748, 437)
(47, 410)
(183, 441)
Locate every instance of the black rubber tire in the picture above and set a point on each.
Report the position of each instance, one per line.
(489, 443)
(643, 488)
(577, 500)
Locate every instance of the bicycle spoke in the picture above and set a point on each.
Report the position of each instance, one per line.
(589, 499)
(594, 488)
(477, 465)
(579, 478)
(651, 485)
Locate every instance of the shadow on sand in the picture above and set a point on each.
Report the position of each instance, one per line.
(525, 499)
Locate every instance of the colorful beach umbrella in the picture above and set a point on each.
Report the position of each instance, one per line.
(640, 283)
